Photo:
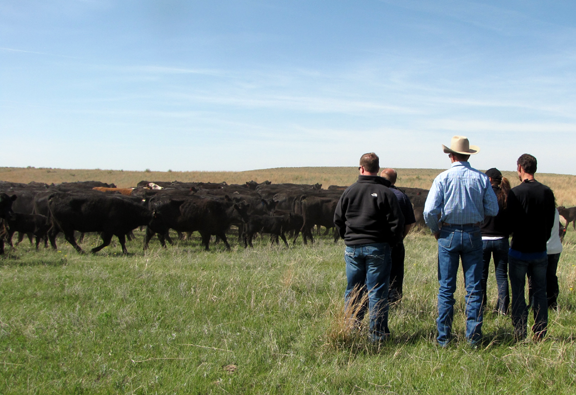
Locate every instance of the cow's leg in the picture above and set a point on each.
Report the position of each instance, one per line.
(304, 232)
(69, 236)
(241, 232)
(336, 235)
(311, 236)
(52, 233)
(168, 238)
(149, 234)
(20, 237)
(130, 236)
(205, 240)
(122, 240)
(284, 240)
(1, 246)
(307, 234)
(165, 237)
(225, 240)
(38, 238)
(9, 238)
(106, 239)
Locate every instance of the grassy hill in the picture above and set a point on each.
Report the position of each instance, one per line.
(564, 186)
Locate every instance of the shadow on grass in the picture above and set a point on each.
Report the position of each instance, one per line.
(13, 260)
(359, 343)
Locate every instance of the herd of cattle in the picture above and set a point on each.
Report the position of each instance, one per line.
(212, 209)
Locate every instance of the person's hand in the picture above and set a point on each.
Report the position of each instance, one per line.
(437, 235)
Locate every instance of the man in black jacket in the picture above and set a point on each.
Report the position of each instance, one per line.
(369, 220)
(531, 208)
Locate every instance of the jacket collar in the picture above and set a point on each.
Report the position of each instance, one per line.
(376, 179)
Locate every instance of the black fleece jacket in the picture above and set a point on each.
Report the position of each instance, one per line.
(368, 212)
(531, 206)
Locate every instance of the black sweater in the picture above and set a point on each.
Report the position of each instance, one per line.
(368, 212)
(531, 206)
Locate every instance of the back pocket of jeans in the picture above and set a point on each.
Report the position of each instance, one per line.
(445, 241)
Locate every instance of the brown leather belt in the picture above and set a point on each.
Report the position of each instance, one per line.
(477, 224)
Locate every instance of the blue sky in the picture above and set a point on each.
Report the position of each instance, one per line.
(242, 85)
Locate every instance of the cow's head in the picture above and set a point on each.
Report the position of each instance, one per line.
(6, 205)
(242, 209)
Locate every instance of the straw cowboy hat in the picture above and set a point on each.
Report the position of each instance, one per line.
(461, 145)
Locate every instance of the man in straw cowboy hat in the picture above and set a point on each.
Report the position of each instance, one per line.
(455, 208)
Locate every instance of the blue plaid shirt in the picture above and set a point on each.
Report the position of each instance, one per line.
(460, 195)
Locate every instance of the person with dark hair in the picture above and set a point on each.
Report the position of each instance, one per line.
(459, 200)
(495, 233)
(370, 162)
(531, 207)
(369, 220)
(398, 251)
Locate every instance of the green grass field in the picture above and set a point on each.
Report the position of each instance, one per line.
(262, 320)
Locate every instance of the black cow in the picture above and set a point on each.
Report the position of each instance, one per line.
(293, 223)
(96, 212)
(34, 224)
(25, 203)
(273, 225)
(569, 215)
(317, 211)
(79, 186)
(6, 213)
(189, 214)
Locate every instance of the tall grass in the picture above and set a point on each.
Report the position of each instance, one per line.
(182, 320)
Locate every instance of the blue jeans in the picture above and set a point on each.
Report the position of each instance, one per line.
(455, 243)
(368, 270)
(499, 250)
(519, 269)
(552, 289)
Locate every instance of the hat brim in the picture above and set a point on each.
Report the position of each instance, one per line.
(472, 150)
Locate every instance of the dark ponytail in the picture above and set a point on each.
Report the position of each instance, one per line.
(503, 190)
